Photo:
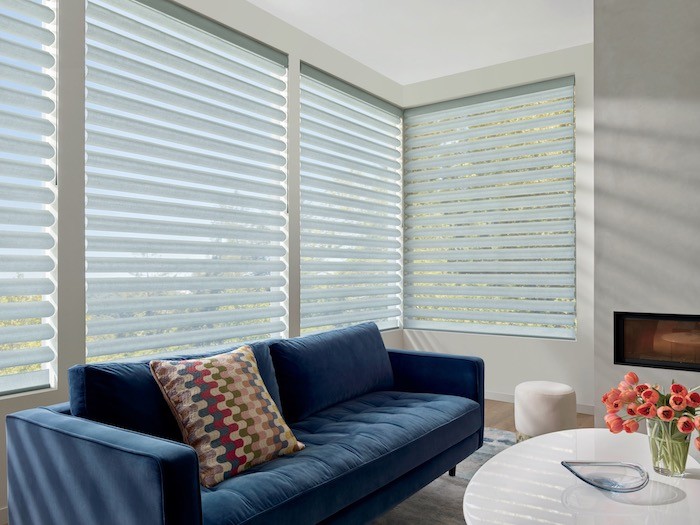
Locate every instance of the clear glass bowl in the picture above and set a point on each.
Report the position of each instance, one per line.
(609, 475)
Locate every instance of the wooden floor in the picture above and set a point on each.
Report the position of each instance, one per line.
(500, 415)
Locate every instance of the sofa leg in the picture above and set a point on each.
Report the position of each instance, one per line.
(453, 471)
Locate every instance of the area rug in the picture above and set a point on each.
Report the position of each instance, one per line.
(440, 503)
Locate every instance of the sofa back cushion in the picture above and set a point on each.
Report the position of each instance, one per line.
(321, 370)
(126, 395)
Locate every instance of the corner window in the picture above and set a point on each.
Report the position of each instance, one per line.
(489, 213)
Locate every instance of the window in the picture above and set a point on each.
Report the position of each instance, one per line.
(350, 206)
(454, 216)
(489, 213)
(27, 59)
(186, 174)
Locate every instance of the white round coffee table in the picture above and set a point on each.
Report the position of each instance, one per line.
(526, 483)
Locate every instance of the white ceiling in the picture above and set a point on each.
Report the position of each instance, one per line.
(414, 40)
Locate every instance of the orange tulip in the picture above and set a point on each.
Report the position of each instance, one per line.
(650, 396)
(641, 388)
(685, 425)
(646, 410)
(693, 399)
(631, 378)
(677, 402)
(615, 425)
(665, 413)
(610, 396)
(615, 406)
(677, 388)
(628, 396)
(609, 416)
(630, 426)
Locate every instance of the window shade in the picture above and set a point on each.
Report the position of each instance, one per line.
(489, 213)
(27, 58)
(350, 206)
(185, 182)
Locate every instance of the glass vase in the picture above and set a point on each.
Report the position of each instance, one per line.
(669, 447)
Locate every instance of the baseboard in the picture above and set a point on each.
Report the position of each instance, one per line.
(585, 409)
(508, 398)
(497, 396)
(4, 519)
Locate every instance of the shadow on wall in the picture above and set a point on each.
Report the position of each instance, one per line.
(647, 196)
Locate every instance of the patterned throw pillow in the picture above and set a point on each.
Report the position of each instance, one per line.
(224, 412)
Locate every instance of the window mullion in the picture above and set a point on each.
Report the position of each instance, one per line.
(70, 170)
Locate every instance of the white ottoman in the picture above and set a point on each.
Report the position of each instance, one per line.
(542, 407)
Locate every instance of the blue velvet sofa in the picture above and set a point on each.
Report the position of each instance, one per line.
(378, 425)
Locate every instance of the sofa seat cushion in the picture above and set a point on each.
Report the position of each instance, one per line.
(352, 449)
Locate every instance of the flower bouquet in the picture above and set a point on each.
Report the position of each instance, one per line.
(671, 419)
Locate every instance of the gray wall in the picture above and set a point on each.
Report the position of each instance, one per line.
(647, 170)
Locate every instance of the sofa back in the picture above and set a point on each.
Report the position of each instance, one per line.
(124, 394)
(303, 375)
(320, 370)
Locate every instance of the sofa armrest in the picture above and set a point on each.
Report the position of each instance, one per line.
(68, 470)
(440, 374)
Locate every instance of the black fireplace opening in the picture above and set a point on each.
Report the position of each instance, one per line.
(658, 340)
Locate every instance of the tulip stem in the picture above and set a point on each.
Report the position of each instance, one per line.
(669, 449)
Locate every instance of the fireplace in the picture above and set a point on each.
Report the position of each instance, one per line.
(658, 340)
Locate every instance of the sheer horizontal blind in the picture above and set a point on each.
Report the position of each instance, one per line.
(186, 168)
(27, 60)
(489, 213)
(350, 206)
